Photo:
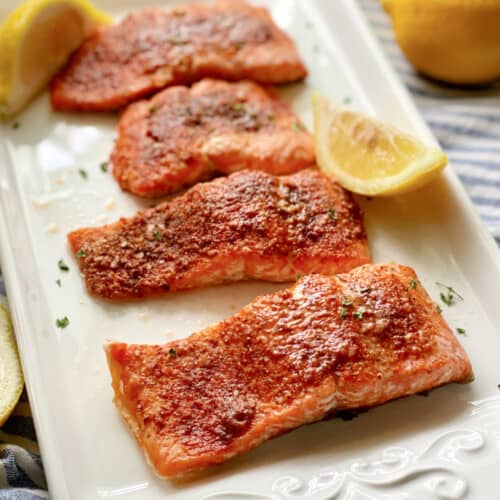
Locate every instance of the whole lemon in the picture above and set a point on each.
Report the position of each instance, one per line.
(457, 41)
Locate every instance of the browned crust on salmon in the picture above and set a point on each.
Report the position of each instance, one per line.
(248, 225)
(184, 135)
(289, 358)
(152, 49)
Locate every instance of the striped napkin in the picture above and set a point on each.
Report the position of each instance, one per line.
(466, 123)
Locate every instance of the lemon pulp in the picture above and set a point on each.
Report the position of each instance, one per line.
(11, 375)
(367, 156)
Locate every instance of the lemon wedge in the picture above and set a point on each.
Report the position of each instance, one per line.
(35, 41)
(369, 157)
(11, 375)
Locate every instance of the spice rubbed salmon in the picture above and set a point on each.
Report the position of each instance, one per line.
(248, 225)
(152, 49)
(183, 135)
(327, 344)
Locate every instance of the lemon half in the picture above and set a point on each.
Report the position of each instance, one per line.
(11, 374)
(369, 157)
(35, 41)
(457, 41)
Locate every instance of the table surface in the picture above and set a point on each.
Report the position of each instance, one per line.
(466, 123)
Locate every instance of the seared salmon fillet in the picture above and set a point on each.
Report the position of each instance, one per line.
(327, 344)
(248, 225)
(152, 49)
(184, 135)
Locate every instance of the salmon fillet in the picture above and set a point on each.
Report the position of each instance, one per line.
(182, 136)
(327, 344)
(152, 49)
(248, 225)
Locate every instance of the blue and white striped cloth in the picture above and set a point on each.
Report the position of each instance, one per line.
(466, 123)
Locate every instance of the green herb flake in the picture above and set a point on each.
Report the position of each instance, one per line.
(332, 214)
(62, 265)
(346, 302)
(412, 284)
(298, 276)
(104, 166)
(343, 313)
(157, 235)
(239, 45)
(16, 125)
(438, 308)
(83, 173)
(153, 109)
(81, 253)
(239, 107)
(62, 322)
(449, 295)
(172, 352)
(58, 283)
(298, 127)
(360, 313)
(461, 331)
(347, 100)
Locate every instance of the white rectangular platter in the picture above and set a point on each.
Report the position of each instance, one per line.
(445, 446)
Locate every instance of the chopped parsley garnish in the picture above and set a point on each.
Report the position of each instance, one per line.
(461, 331)
(332, 214)
(298, 276)
(62, 265)
(347, 100)
(83, 173)
(58, 283)
(449, 295)
(238, 107)
(239, 45)
(359, 313)
(298, 127)
(412, 284)
(16, 125)
(438, 308)
(343, 313)
(346, 302)
(172, 352)
(104, 166)
(81, 253)
(62, 322)
(153, 109)
(157, 235)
